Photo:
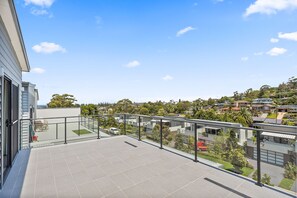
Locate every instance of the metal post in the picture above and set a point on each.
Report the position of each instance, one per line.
(139, 136)
(124, 124)
(161, 135)
(195, 142)
(65, 131)
(78, 126)
(98, 127)
(259, 159)
(93, 124)
(57, 130)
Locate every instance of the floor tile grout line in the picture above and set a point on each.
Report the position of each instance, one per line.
(72, 177)
(186, 185)
(230, 193)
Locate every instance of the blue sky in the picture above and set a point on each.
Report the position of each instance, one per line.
(103, 51)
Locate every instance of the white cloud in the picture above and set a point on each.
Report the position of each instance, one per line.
(274, 40)
(42, 3)
(244, 58)
(37, 70)
(276, 51)
(38, 12)
(132, 64)
(270, 6)
(289, 36)
(167, 77)
(258, 53)
(48, 48)
(185, 30)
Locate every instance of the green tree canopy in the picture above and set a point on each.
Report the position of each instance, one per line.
(64, 100)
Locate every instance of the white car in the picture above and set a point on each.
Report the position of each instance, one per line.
(114, 131)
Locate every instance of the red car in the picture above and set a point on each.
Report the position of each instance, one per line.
(201, 146)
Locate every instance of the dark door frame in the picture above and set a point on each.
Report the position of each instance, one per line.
(7, 87)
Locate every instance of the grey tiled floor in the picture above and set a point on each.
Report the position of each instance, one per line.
(113, 168)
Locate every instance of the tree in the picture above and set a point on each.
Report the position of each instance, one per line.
(237, 159)
(89, 109)
(156, 133)
(64, 100)
(124, 106)
(179, 143)
(161, 112)
(144, 111)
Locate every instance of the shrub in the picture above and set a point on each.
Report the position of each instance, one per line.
(290, 171)
(266, 179)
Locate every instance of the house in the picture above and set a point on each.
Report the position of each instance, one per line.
(209, 130)
(262, 105)
(266, 120)
(29, 107)
(241, 104)
(276, 148)
(287, 108)
(13, 61)
(223, 105)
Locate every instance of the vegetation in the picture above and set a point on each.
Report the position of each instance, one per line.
(266, 179)
(225, 150)
(290, 171)
(286, 183)
(284, 94)
(272, 115)
(64, 100)
(245, 171)
(81, 132)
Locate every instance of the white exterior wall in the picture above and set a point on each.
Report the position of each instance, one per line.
(57, 112)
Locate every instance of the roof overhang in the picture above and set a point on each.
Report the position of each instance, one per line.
(9, 17)
(292, 137)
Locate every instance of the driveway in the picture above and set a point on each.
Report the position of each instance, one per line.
(275, 172)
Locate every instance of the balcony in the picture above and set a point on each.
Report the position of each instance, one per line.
(131, 163)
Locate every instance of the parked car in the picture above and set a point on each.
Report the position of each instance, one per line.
(201, 146)
(114, 131)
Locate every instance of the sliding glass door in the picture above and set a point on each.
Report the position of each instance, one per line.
(11, 124)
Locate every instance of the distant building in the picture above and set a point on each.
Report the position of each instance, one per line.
(287, 108)
(29, 106)
(241, 104)
(276, 148)
(262, 104)
(29, 100)
(222, 105)
(267, 120)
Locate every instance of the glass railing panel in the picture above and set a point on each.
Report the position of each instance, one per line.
(150, 130)
(132, 125)
(81, 127)
(278, 160)
(109, 126)
(47, 130)
(226, 148)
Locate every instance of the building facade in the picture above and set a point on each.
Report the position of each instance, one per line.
(29, 106)
(13, 60)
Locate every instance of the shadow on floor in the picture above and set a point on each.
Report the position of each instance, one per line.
(14, 183)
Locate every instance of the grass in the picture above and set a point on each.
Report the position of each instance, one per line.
(226, 165)
(247, 171)
(272, 115)
(286, 183)
(81, 132)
